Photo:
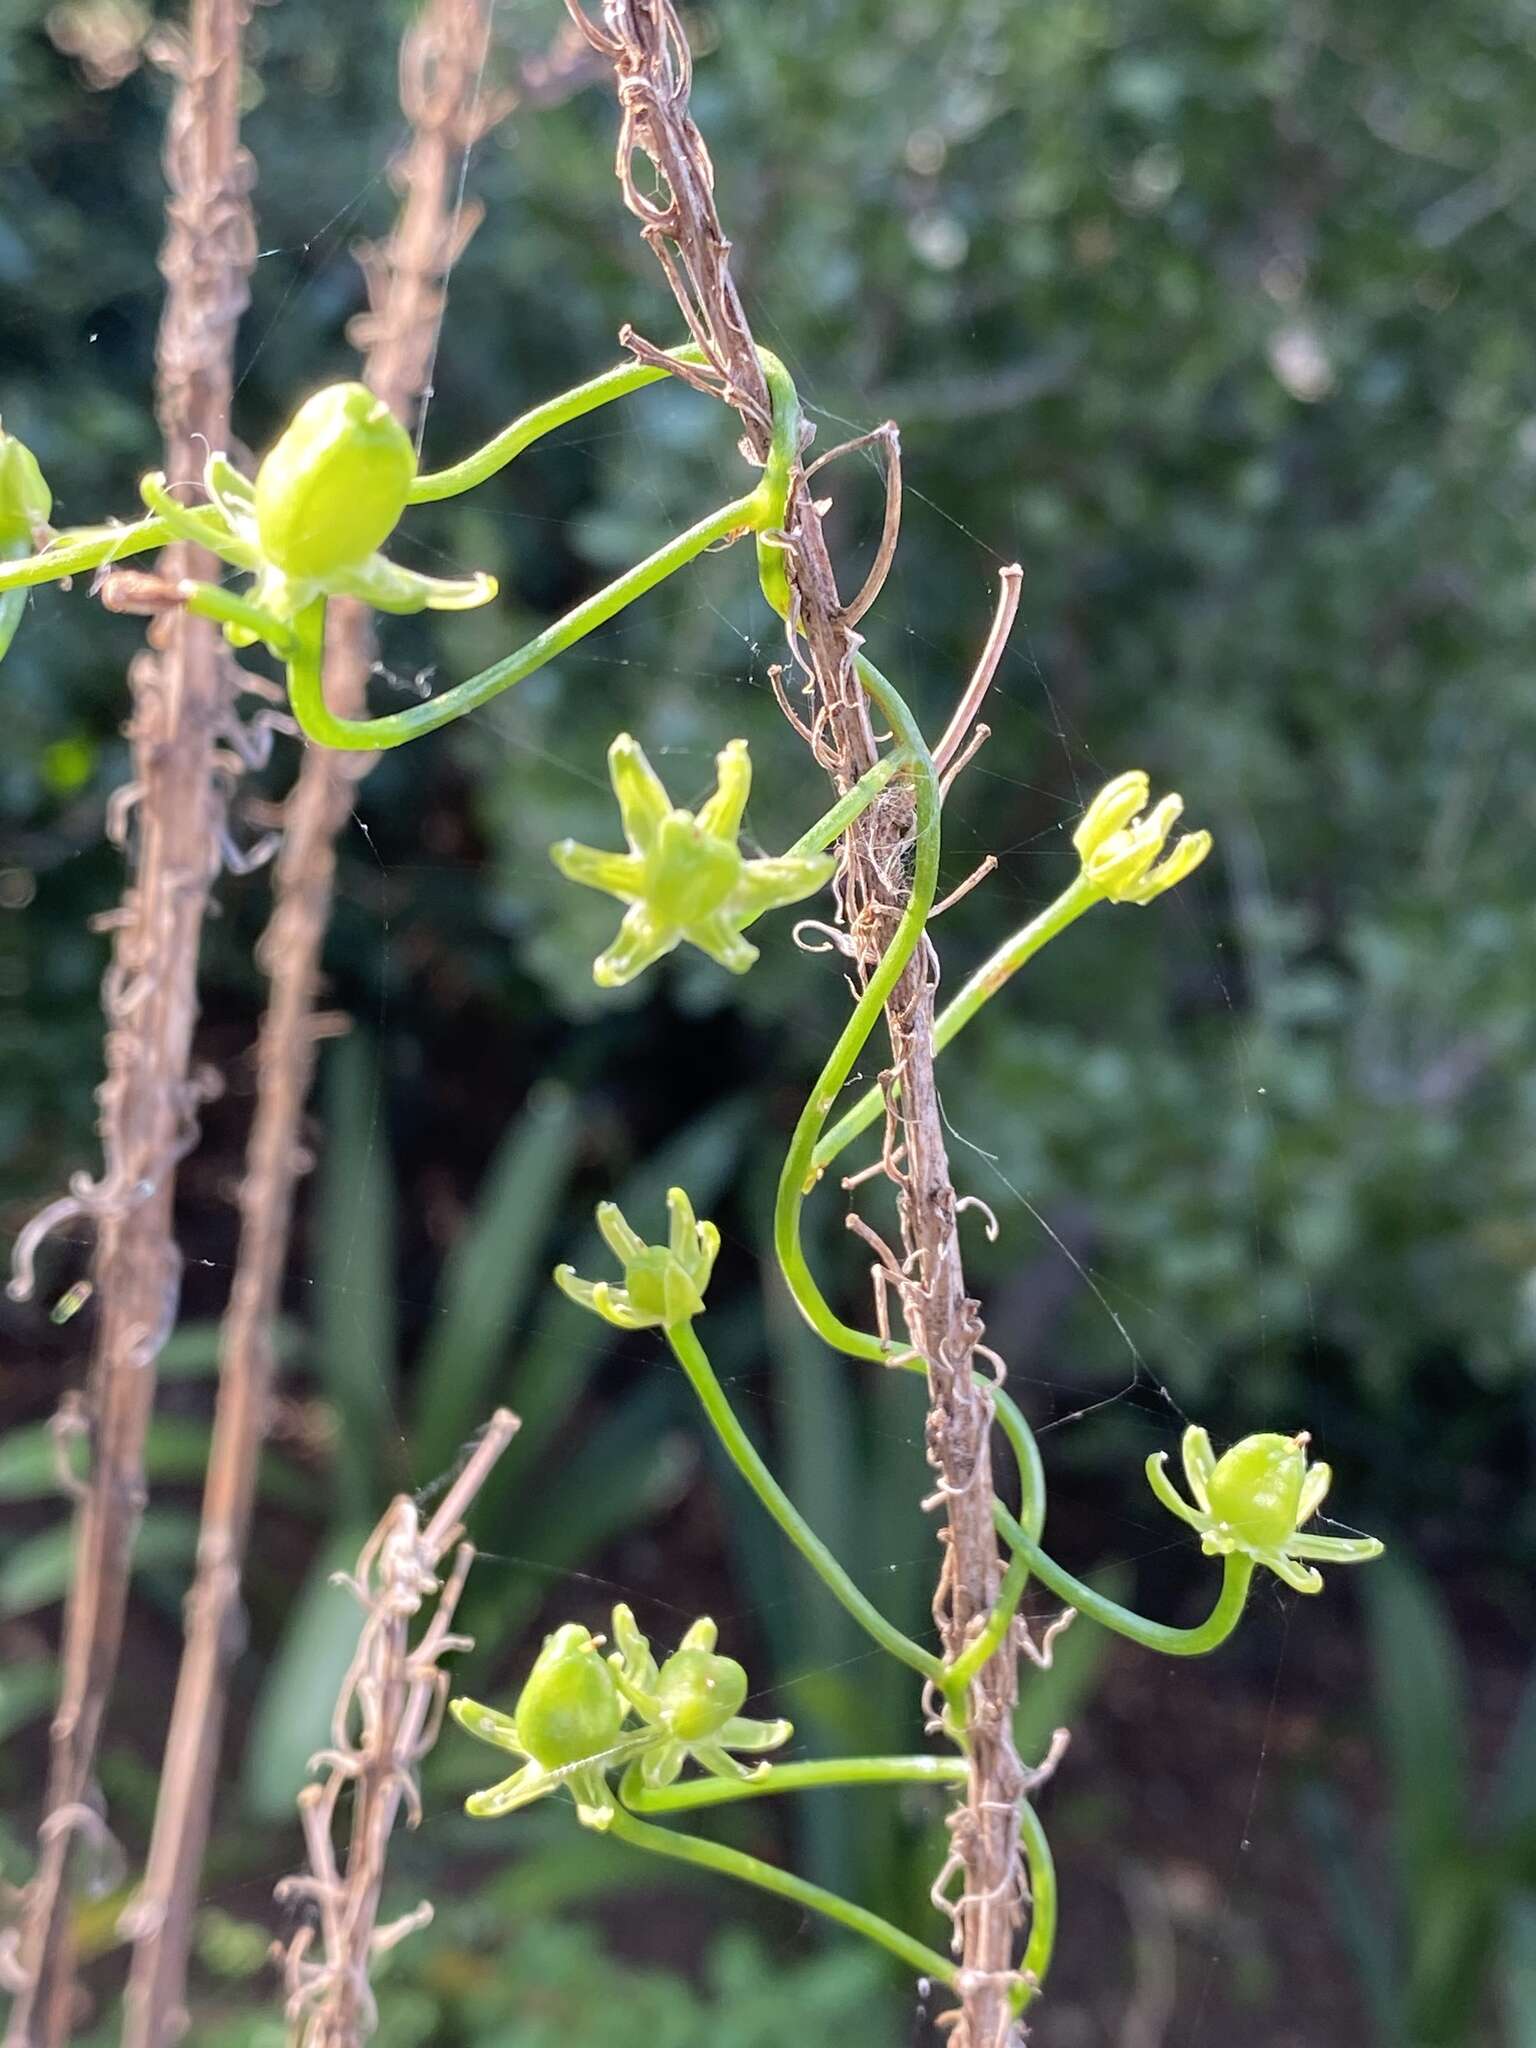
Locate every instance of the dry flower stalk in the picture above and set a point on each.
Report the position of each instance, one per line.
(644, 42)
(442, 63)
(187, 745)
(387, 1718)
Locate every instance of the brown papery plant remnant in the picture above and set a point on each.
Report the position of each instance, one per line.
(387, 1718)
(187, 746)
(442, 91)
(644, 41)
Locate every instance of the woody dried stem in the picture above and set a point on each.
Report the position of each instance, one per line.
(643, 40)
(181, 719)
(387, 1718)
(443, 95)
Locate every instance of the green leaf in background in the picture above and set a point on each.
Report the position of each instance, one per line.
(354, 1267)
(292, 1717)
(26, 1690)
(1519, 1987)
(488, 1274)
(175, 1454)
(1421, 1707)
(625, 1471)
(192, 1350)
(36, 1571)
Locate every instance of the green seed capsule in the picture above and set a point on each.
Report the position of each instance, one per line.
(332, 489)
(698, 1693)
(570, 1708)
(1256, 1488)
(25, 499)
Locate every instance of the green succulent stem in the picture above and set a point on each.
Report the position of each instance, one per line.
(87, 548)
(306, 692)
(993, 974)
(834, 823)
(12, 602)
(803, 1777)
(213, 601)
(798, 1175)
(748, 1460)
(1042, 1918)
(1210, 1634)
(705, 1855)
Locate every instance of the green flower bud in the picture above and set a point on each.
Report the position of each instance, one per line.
(1120, 848)
(25, 499)
(1256, 1488)
(332, 489)
(697, 1693)
(663, 1283)
(570, 1708)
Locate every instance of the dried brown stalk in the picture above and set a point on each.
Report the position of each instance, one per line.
(387, 1718)
(182, 719)
(644, 41)
(442, 63)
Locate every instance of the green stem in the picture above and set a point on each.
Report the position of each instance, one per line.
(307, 696)
(1237, 1573)
(748, 1461)
(979, 1651)
(831, 826)
(993, 973)
(1042, 1918)
(89, 550)
(807, 1777)
(14, 602)
(531, 426)
(213, 601)
(613, 384)
(752, 1870)
(798, 1174)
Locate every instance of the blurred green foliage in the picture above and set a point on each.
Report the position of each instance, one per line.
(1450, 1932)
(486, 1982)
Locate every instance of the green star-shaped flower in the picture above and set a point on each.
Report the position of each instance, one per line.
(684, 876)
(1254, 1499)
(663, 1283)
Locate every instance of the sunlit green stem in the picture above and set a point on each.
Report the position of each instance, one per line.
(953, 1018)
(213, 601)
(751, 1870)
(806, 1777)
(533, 425)
(798, 1175)
(14, 602)
(1237, 1573)
(748, 1461)
(86, 548)
(396, 727)
(1042, 1916)
(760, 512)
(831, 826)
(614, 384)
(984, 1646)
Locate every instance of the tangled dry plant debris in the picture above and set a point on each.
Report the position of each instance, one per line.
(188, 747)
(646, 46)
(444, 97)
(387, 1718)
